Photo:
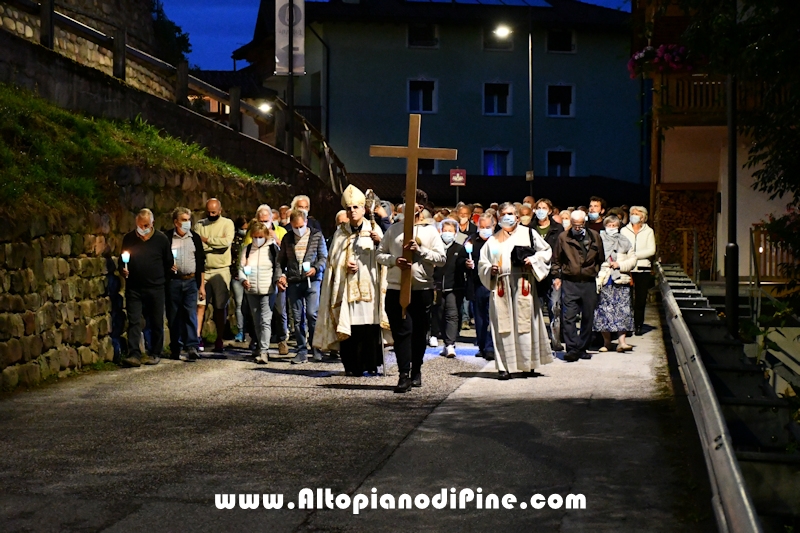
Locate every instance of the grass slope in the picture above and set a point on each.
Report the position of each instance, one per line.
(54, 158)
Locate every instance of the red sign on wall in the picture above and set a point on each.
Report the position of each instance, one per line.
(458, 177)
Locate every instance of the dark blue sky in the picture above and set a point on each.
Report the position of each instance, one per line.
(217, 28)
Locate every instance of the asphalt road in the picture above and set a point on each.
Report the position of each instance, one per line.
(148, 449)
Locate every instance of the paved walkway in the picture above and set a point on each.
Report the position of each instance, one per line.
(147, 449)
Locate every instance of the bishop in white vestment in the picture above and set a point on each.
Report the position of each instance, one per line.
(518, 329)
(351, 312)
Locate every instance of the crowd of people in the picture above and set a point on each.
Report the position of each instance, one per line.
(499, 269)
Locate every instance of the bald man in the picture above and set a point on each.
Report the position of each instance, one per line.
(217, 234)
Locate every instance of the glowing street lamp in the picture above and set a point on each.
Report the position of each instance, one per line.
(502, 32)
(265, 108)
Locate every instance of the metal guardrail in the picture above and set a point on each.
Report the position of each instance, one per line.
(733, 507)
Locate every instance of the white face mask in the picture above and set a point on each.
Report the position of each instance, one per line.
(463, 220)
(300, 231)
(259, 241)
(566, 224)
(635, 219)
(485, 233)
(144, 232)
(612, 231)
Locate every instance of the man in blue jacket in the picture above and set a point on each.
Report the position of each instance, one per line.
(302, 258)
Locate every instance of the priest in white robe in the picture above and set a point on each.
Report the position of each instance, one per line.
(518, 329)
(351, 312)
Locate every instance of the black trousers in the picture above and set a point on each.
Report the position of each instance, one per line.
(363, 350)
(577, 297)
(410, 332)
(642, 282)
(447, 315)
(150, 302)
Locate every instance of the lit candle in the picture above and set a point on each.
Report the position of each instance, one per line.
(306, 269)
(126, 257)
(175, 254)
(468, 247)
(247, 270)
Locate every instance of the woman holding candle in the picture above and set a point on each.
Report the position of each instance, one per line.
(260, 271)
(511, 263)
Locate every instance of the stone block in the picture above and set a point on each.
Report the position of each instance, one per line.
(11, 303)
(19, 281)
(44, 367)
(79, 333)
(74, 358)
(55, 289)
(33, 301)
(190, 182)
(72, 312)
(66, 247)
(53, 362)
(88, 308)
(66, 333)
(29, 320)
(11, 325)
(29, 374)
(106, 349)
(50, 269)
(50, 339)
(86, 356)
(5, 281)
(101, 223)
(32, 347)
(10, 378)
(63, 357)
(62, 266)
(76, 240)
(16, 254)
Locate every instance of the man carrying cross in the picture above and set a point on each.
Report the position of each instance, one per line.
(410, 326)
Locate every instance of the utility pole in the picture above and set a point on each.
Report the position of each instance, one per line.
(290, 86)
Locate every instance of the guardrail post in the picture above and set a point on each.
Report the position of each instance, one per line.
(235, 116)
(47, 17)
(120, 48)
(182, 84)
(305, 149)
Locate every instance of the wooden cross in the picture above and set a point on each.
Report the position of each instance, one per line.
(412, 153)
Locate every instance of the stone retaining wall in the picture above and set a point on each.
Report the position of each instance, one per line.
(58, 284)
(86, 52)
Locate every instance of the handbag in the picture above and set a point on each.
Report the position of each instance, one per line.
(520, 253)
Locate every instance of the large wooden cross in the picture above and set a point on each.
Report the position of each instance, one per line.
(412, 153)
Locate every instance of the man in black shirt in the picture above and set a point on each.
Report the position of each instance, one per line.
(146, 274)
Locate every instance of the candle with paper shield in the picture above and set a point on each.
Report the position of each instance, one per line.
(306, 269)
(174, 254)
(126, 258)
(247, 270)
(468, 247)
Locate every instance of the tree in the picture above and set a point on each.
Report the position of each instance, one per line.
(172, 44)
(759, 42)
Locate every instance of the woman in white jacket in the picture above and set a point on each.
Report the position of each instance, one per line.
(644, 245)
(260, 271)
(613, 313)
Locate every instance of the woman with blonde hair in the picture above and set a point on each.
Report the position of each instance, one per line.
(644, 246)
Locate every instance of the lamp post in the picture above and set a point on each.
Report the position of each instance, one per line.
(504, 32)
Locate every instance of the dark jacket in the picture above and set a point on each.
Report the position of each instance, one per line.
(151, 260)
(574, 260)
(452, 276)
(199, 255)
(551, 237)
(316, 254)
(473, 279)
(471, 228)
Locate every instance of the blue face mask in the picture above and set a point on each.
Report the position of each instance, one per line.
(594, 216)
(186, 226)
(485, 233)
(578, 233)
(541, 214)
(507, 221)
(448, 237)
(635, 219)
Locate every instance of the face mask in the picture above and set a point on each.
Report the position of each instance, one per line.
(541, 214)
(507, 221)
(525, 220)
(448, 237)
(566, 224)
(578, 233)
(213, 219)
(304, 211)
(527, 204)
(186, 226)
(594, 216)
(143, 232)
(300, 231)
(635, 219)
(241, 232)
(259, 241)
(485, 233)
(612, 231)
(463, 220)
(475, 218)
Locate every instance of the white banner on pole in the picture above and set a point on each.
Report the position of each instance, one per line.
(282, 37)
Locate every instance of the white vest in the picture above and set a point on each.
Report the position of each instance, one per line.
(260, 264)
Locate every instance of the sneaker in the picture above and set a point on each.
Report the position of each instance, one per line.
(132, 362)
(201, 346)
(239, 337)
(262, 359)
(299, 359)
(184, 357)
(150, 361)
(451, 351)
(443, 353)
(317, 356)
(283, 348)
(433, 342)
(192, 355)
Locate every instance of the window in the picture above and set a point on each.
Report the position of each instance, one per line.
(421, 96)
(495, 99)
(559, 101)
(492, 42)
(426, 167)
(423, 36)
(495, 162)
(559, 163)
(561, 41)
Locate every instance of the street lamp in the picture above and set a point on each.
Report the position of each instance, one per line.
(503, 32)
(265, 108)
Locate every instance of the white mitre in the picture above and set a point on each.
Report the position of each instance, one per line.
(353, 196)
